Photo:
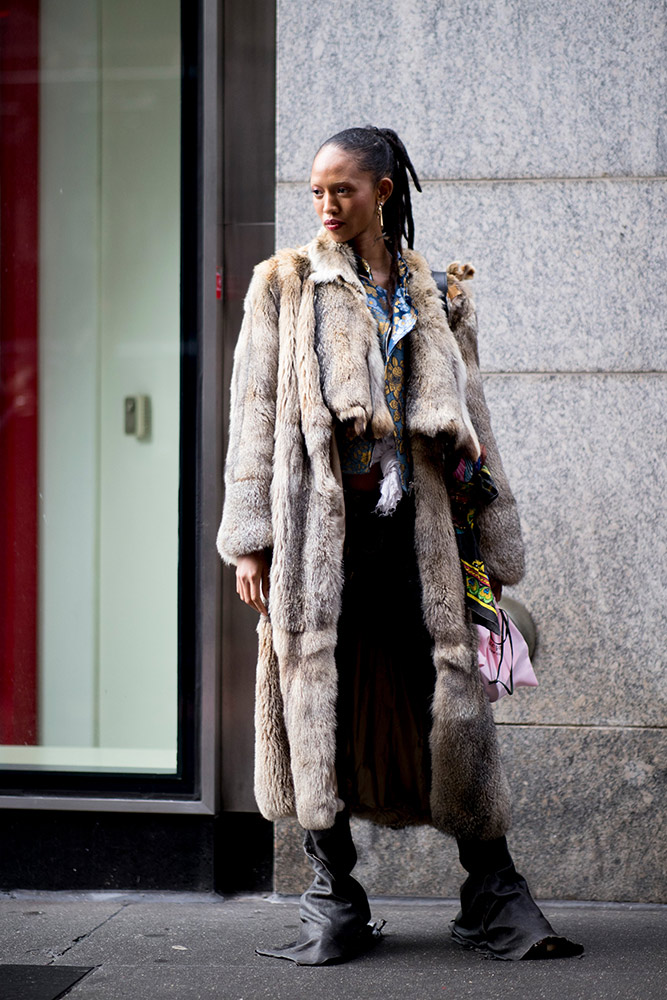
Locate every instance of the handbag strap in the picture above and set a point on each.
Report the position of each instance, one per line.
(440, 278)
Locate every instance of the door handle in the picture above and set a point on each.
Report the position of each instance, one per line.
(137, 410)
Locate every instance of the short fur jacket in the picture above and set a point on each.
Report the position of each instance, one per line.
(308, 354)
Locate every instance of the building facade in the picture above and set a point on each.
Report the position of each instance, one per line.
(151, 152)
(539, 133)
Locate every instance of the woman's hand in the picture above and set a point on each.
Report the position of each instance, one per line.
(252, 580)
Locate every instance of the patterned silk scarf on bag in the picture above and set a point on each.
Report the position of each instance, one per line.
(470, 487)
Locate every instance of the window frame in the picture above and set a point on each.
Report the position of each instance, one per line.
(194, 786)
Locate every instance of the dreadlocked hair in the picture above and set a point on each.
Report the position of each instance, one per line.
(380, 152)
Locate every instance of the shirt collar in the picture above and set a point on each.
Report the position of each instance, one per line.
(367, 274)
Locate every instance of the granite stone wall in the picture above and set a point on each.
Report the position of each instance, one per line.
(539, 131)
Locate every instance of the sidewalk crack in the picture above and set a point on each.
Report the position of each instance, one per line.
(82, 937)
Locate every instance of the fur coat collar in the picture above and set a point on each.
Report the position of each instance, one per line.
(349, 362)
(308, 355)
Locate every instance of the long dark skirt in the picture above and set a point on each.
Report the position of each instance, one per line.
(385, 668)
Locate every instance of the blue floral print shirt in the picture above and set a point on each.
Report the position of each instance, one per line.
(394, 322)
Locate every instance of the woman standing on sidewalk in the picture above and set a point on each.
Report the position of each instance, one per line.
(360, 454)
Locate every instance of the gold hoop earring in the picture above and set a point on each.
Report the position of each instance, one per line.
(379, 211)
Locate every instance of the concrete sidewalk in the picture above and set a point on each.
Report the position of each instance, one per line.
(158, 946)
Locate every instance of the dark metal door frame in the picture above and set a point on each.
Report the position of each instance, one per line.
(248, 235)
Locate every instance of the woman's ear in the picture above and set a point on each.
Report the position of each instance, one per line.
(384, 189)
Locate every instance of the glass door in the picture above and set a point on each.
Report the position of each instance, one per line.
(91, 386)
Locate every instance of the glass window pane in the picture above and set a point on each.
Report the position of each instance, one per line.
(90, 377)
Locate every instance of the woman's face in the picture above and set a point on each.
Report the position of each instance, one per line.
(346, 197)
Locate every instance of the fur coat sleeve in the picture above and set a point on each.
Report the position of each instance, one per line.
(246, 518)
(500, 532)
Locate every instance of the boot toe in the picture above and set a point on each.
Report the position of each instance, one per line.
(325, 949)
(554, 947)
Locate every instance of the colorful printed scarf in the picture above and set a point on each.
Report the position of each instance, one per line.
(470, 487)
(395, 320)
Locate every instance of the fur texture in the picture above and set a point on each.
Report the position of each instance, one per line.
(308, 354)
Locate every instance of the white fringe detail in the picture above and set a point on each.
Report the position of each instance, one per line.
(391, 490)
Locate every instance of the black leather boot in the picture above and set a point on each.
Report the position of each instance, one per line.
(498, 915)
(334, 909)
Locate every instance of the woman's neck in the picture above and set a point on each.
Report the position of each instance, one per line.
(373, 250)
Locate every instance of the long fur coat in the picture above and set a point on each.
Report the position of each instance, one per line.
(308, 355)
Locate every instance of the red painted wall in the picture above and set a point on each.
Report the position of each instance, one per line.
(19, 233)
